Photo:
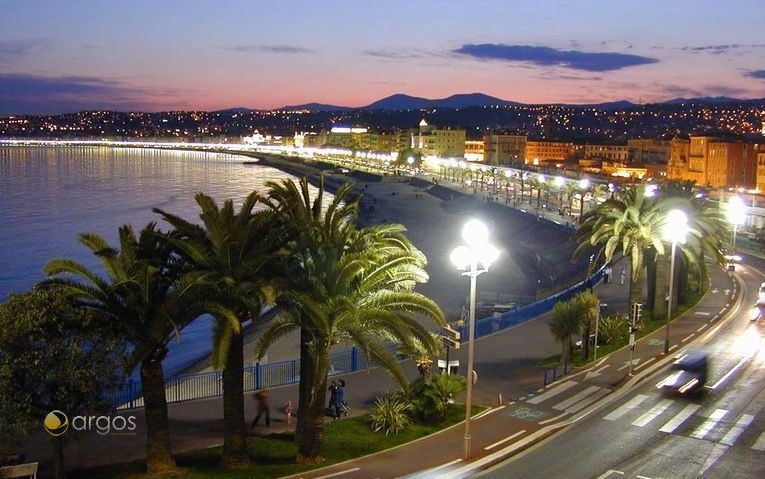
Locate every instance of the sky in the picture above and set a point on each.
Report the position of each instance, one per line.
(148, 55)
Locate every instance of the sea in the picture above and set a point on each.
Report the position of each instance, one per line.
(48, 196)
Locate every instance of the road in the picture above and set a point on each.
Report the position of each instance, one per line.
(645, 435)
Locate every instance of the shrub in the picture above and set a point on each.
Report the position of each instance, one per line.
(389, 414)
(613, 330)
(430, 397)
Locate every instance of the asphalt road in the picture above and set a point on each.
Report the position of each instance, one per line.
(645, 435)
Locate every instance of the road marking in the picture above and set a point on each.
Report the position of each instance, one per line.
(625, 408)
(729, 373)
(672, 347)
(645, 363)
(642, 477)
(552, 392)
(653, 413)
(736, 430)
(552, 419)
(702, 327)
(593, 373)
(759, 444)
(687, 337)
(627, 363)
(583, 404)
(509, 438)
(716, 453)
(491, 411)
(609, 472)
(334, 474)
(704, 429)
(427, 472)
(702, 313)
(680, 418)
(563, 405)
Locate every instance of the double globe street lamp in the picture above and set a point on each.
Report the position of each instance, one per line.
(675, 231)
(473, 258)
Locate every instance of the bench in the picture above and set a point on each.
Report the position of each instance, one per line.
(22, 470)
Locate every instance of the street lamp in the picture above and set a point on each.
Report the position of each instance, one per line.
(675, 230)
(736, 215)
(477, 252)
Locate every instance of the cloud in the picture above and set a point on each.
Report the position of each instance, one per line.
(756, 74)
(393, 54)
(289, 49)
(546, 56)
(720, 49)
(34, 94)
(13, 50)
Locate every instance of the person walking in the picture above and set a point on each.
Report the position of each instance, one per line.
(622, 276)
(339, 398)
(607, 275)
(263, 408)
(332, 395)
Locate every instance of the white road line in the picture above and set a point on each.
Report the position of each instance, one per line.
(702, 313)
(334, 474)
(637, 368)
(552, 392)
(653, 413)
(490, 411)
(642, 477)
(609, 472)
(732, 436)
(625, 408)
(509, 438)
(729, 373)
(438, 468)
(704, 429)
(680, 418)
(583, 404)
(759, 444)
(552, 419)
(702, 327)
(688, 337)
(563, 405)
(672, 347)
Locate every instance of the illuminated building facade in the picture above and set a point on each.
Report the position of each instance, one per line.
(505, 150)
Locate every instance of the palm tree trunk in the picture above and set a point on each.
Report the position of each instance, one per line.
(661, 288)
(234, 446)
(59, 466)
(312, 391)
(159, 457)
(636, 286)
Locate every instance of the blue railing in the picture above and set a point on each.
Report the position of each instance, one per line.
(258, 376)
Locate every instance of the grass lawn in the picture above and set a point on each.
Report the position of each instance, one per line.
(273, 456)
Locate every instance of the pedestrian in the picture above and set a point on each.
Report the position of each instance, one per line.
(288, 412)
(263, 408)
(607, 274)
(622, 276)
(339, 398)
(332, 395)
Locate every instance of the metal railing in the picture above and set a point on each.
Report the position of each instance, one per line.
(268, 375)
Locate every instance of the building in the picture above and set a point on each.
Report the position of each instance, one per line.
(714, 161)
(505, 150)
(539, 152)
(761, 171)
(646, 150)
(611, 153)
(441, 142)
(677, 166)
(474, 150)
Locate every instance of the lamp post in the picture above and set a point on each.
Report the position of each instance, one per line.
(736, 215)
(675, 230)
(477, 252)
(584, 185)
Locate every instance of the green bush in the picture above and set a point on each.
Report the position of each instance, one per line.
(389, 414)
(430, 397)
(613, 330)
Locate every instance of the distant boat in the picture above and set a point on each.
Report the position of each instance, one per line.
(253, 162)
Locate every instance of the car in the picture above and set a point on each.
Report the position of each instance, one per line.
(688, 374)
(757, 312)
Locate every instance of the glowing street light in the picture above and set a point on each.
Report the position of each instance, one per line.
(559, 181)
(476, 253)
(650, 191)
(736, 214)
(675, 230)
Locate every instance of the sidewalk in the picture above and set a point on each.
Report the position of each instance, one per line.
(525, 419)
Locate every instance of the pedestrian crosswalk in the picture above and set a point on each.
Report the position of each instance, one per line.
(677, 416)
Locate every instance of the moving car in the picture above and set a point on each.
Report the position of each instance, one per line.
(688, 374)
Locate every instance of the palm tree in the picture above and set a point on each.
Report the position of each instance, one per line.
(565, 323)
(235, 251)
(630, 222)
(345, 285)
(587, 304)
(148, 299)
(535, 183)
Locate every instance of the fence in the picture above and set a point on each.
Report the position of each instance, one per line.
(206, 385)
